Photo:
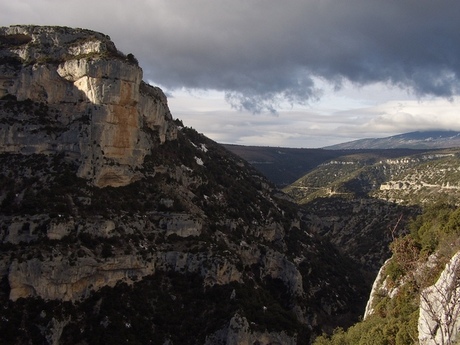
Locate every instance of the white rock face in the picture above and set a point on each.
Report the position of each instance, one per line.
(439, 320)
(99, 111)
(379, 288)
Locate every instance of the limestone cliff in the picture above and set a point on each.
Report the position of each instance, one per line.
(89, 101)
(439, 320)
(122, 225)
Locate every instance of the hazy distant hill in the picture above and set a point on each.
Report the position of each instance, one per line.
(412, 140)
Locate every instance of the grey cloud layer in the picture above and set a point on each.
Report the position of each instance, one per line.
(263, 52)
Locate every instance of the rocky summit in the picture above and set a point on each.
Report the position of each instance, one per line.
(88, 101)
(121, 225)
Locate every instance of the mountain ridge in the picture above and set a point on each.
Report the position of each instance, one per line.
(413, 140)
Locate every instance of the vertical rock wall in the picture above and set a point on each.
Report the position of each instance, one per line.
(439, 320)
(98, 107)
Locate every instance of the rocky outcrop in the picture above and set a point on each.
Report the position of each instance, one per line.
(65, 279)
(181, 225)
(214, 269)
(278, 266)
(239, 332)
(379, 288)
(439, 319)
(86, 99)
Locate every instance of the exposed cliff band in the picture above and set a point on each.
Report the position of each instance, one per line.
(101, 111)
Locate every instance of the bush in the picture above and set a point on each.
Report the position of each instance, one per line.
(453, 224)
(427, 228)
(406, 253)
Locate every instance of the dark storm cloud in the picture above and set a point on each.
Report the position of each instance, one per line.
(264, 52)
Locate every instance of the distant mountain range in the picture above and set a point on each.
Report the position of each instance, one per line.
(412, 140)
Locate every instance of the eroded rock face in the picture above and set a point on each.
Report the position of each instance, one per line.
(88, 99)
(439, 320)
(379, 288)
(239, 332)
(60, 278)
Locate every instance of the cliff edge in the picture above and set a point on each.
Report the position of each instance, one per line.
(87, 99)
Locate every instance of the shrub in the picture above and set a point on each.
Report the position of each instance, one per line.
(453, 224)
(405, 253)
(427, 228)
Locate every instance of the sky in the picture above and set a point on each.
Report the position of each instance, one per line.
(288, 73)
